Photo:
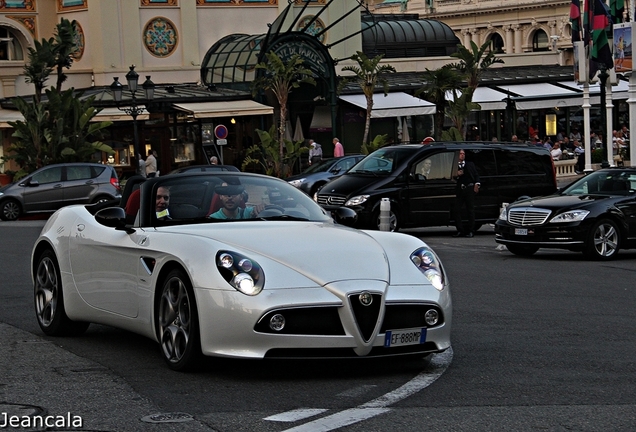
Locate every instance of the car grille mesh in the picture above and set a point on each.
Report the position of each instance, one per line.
(528, 216)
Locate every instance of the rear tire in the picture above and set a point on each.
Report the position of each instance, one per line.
(49, 299)
(522, 250)
(604, 241)
(10, 210)
(177, 323)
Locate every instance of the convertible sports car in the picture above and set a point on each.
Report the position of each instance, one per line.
(238, 265)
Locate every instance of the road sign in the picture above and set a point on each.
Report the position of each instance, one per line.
(220, 132)
(221, 142)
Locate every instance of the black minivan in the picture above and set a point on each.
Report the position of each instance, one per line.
(418, 180)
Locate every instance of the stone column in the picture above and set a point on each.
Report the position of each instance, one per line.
(510, 48)
(518, 38)
(466, 37)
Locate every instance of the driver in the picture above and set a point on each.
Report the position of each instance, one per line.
(231, 197)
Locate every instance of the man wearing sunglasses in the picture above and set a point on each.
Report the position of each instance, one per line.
(232, 204)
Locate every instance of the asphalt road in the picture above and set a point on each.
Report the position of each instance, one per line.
(541, 343)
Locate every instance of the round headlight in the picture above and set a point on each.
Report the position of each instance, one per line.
(431, 317)
(245, 265)
(244, 283)
(226, 260)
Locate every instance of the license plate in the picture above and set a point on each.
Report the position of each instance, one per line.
(404, 337)
(521, 231)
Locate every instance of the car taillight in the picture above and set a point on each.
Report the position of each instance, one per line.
(115, 182)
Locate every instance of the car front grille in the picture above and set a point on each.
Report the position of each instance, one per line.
(528, 216)
(331, 200)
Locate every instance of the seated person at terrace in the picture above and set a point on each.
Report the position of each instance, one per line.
(231, 197)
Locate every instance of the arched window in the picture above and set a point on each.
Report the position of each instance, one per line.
(540, 41)
(497, 43)
(10, 48)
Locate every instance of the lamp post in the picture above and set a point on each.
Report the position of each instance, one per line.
(133, 109)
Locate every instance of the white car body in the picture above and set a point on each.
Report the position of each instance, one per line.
(112, 276)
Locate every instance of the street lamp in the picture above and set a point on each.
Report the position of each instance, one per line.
(133, 109)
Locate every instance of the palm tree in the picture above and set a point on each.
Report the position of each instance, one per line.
(64, 48)
(474, 61)
(281, 77)
(437, 83)
(368, 74)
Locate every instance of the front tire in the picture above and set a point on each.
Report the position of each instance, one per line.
(49, 299)
(10, 210)
(178, 322)
(604, 241)
(522, 250)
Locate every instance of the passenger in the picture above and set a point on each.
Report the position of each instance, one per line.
(425, 170)
(231, 197)
(162, 201)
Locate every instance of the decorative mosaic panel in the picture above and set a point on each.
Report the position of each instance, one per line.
(17, 5)
(79, 42)
(159, 2)
(160, 37)
(314, 28)
(236, 2)
(28, 22)
(317, 2)
(66, 5)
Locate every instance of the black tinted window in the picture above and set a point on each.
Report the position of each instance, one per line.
(78, 172)
(49, 175)
(519, 163)
(484, 161)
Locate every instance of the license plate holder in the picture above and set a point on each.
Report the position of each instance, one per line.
(414, 336)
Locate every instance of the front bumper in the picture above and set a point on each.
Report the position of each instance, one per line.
(235, 325)
(564, 236)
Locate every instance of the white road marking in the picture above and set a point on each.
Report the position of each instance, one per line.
(295, 415)
(439, 364)
(338, 420)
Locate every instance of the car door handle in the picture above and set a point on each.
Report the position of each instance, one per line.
(89, 182)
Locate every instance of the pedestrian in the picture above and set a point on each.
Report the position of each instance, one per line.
(142, 165)
(214, 160)
(315, 152)
(338, 150)
(467, 186)
(151, 165)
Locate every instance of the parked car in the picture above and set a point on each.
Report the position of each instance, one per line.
(595, 215)
(316, 175)
(419, 182)
(204, 168)
(55, 186)
(225, 287)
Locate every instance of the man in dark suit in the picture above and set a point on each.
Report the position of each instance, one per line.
(465, 190)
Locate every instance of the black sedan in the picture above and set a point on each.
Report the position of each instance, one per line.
(595, 215)
(314, 177)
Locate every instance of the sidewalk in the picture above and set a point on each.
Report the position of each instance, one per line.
(40, 379)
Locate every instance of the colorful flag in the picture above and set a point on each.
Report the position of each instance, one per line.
(617, 8)
(575, 19)
(597, 19)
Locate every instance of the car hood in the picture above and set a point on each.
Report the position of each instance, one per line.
(353, 184)
(556, 202)
(327, 252)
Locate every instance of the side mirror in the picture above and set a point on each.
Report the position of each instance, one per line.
(334, 170)
(32, 183)
(345, 216)
(114, 217)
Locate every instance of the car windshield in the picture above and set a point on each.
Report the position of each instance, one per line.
(383, 161)
(609, 182)
(227, 196)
